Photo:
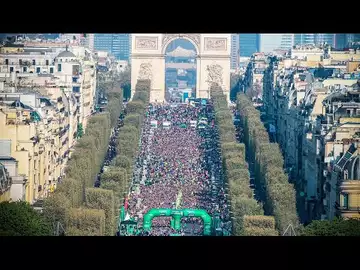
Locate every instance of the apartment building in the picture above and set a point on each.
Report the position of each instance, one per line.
(255, 72)
(46, 98)
(313, 115)
(26, 132)
(5, 183)
(12, 185)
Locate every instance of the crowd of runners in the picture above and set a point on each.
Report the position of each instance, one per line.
(177, 158)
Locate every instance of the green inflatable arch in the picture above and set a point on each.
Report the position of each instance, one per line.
(177, 215)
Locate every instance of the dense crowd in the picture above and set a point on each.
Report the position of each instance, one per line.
(179, 159)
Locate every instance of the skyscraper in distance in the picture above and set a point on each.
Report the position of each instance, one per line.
(271, 42)
(248, 44)
(335, 40)
(234, 62)
(301, 39)
(117, 44)
(352, 38)
(340, 41)
(325, 38)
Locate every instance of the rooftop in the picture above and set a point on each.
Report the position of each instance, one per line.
(12, 45)
(66, 54)
(6, 158)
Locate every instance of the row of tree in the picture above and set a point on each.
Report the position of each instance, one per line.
(80, 208)
(275, 190)
(118, 177)
(244, 207)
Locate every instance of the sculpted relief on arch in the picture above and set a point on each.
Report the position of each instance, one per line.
(145, 72)
(146, 43)
(215, 44)
(215, 74)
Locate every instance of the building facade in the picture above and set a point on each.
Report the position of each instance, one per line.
(235, 49)
(334, 40)
(118, 45)
(47, 94)
(248, 44)
(316, 115)
(271, 42)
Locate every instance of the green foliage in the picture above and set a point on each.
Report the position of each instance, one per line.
(235, 81)
(336, 227)
(97, 198)
(85, 222)
(136, 107)
(123, 162)
(73, 190)
(267, 222)
(234, 164)
(20, 219)
(115, 106)
(255, 231)
(83, 166)
(56, 206)
(242, 206)
(280, 195)
(117, 179)
(133, 119)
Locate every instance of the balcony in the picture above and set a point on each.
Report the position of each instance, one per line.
(350, 186)
(348, 209)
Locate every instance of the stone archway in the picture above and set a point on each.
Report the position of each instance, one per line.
(212, 63)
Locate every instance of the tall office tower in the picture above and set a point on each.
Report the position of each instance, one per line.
(271, 42)
(325, 38)
(249, 44)
(352, 38)
(340, 41)
(234, 62)
(117, 44)
(301, 39)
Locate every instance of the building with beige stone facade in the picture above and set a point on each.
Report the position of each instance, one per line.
(316, 121)
(46, 99)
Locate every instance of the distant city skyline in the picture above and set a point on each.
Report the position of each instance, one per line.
(248, 44)
(118, 45)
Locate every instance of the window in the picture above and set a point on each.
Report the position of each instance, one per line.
(59, 67)
(51, 70)
(20, 61)
(33, 62)
(37, 70)
(76, 89)
(47, 62)
(346, 201)
(11, 69)
(25, 69)
(6, 61)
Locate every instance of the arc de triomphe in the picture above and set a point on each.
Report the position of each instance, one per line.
(212, 63)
